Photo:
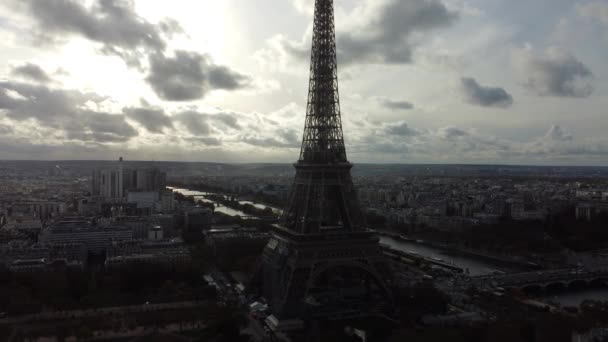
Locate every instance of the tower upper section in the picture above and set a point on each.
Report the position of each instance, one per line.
(323, 141)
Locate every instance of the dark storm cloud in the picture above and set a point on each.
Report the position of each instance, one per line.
(400, 129)
(189, 76)
(384, 34)
(396, 105)
(555, 74)
(154, 120)
(485, 96)
(63, 110)
(31, 72)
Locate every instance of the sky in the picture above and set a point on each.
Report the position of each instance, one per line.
(421, 81)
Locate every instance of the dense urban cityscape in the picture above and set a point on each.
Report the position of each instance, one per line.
(115, 249)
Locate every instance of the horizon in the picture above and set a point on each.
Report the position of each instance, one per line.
(291, 163)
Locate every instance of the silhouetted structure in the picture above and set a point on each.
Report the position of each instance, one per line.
(321, 260)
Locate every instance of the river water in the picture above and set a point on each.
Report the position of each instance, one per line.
(199, 195)
(262, 206)
(475, 266)
(481, 267)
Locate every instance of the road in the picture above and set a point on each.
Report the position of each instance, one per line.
(101, 312)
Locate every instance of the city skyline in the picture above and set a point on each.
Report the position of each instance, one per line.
(433, 82)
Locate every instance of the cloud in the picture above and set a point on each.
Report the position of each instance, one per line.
(189, 76)
(555, 73)
(196, 123)
(203, 124)
(384, 32)
(450, 133)
(112, 23)
(228, 119)
(67, 111)
(287, 138)
(269, 142)
(380, 31)
(31, 72)
(594, 9)
(559, 144)
(100, 127)
(4, 129)
(207, 141)
(556, 133)
(304, 6)
(468, 145)
(400, 129)
(396, 104)
(485, 96)
(154, 120)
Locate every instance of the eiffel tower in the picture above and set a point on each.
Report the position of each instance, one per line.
(321, 260)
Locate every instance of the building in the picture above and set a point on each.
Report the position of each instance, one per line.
(151, 179)
(162, 253)
(589, 211)
(166, 203)
(155, 233)
(198, 218)
(28, 265)
(235, 241)
(152, 201)
(77, 230)
(109, 183)
(113, 184)
(19, 257)
(89, 206)
(144, 199)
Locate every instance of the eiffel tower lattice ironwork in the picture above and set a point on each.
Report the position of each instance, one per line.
(323, 194)
(321, 259)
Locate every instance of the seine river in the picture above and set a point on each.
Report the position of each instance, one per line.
(475, 266)
(199, 195)
(478, 267)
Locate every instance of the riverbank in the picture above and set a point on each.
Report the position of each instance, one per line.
(259, 201)
(224, 204)
(516, 262)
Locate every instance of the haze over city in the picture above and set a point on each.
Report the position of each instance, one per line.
(421, 81)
